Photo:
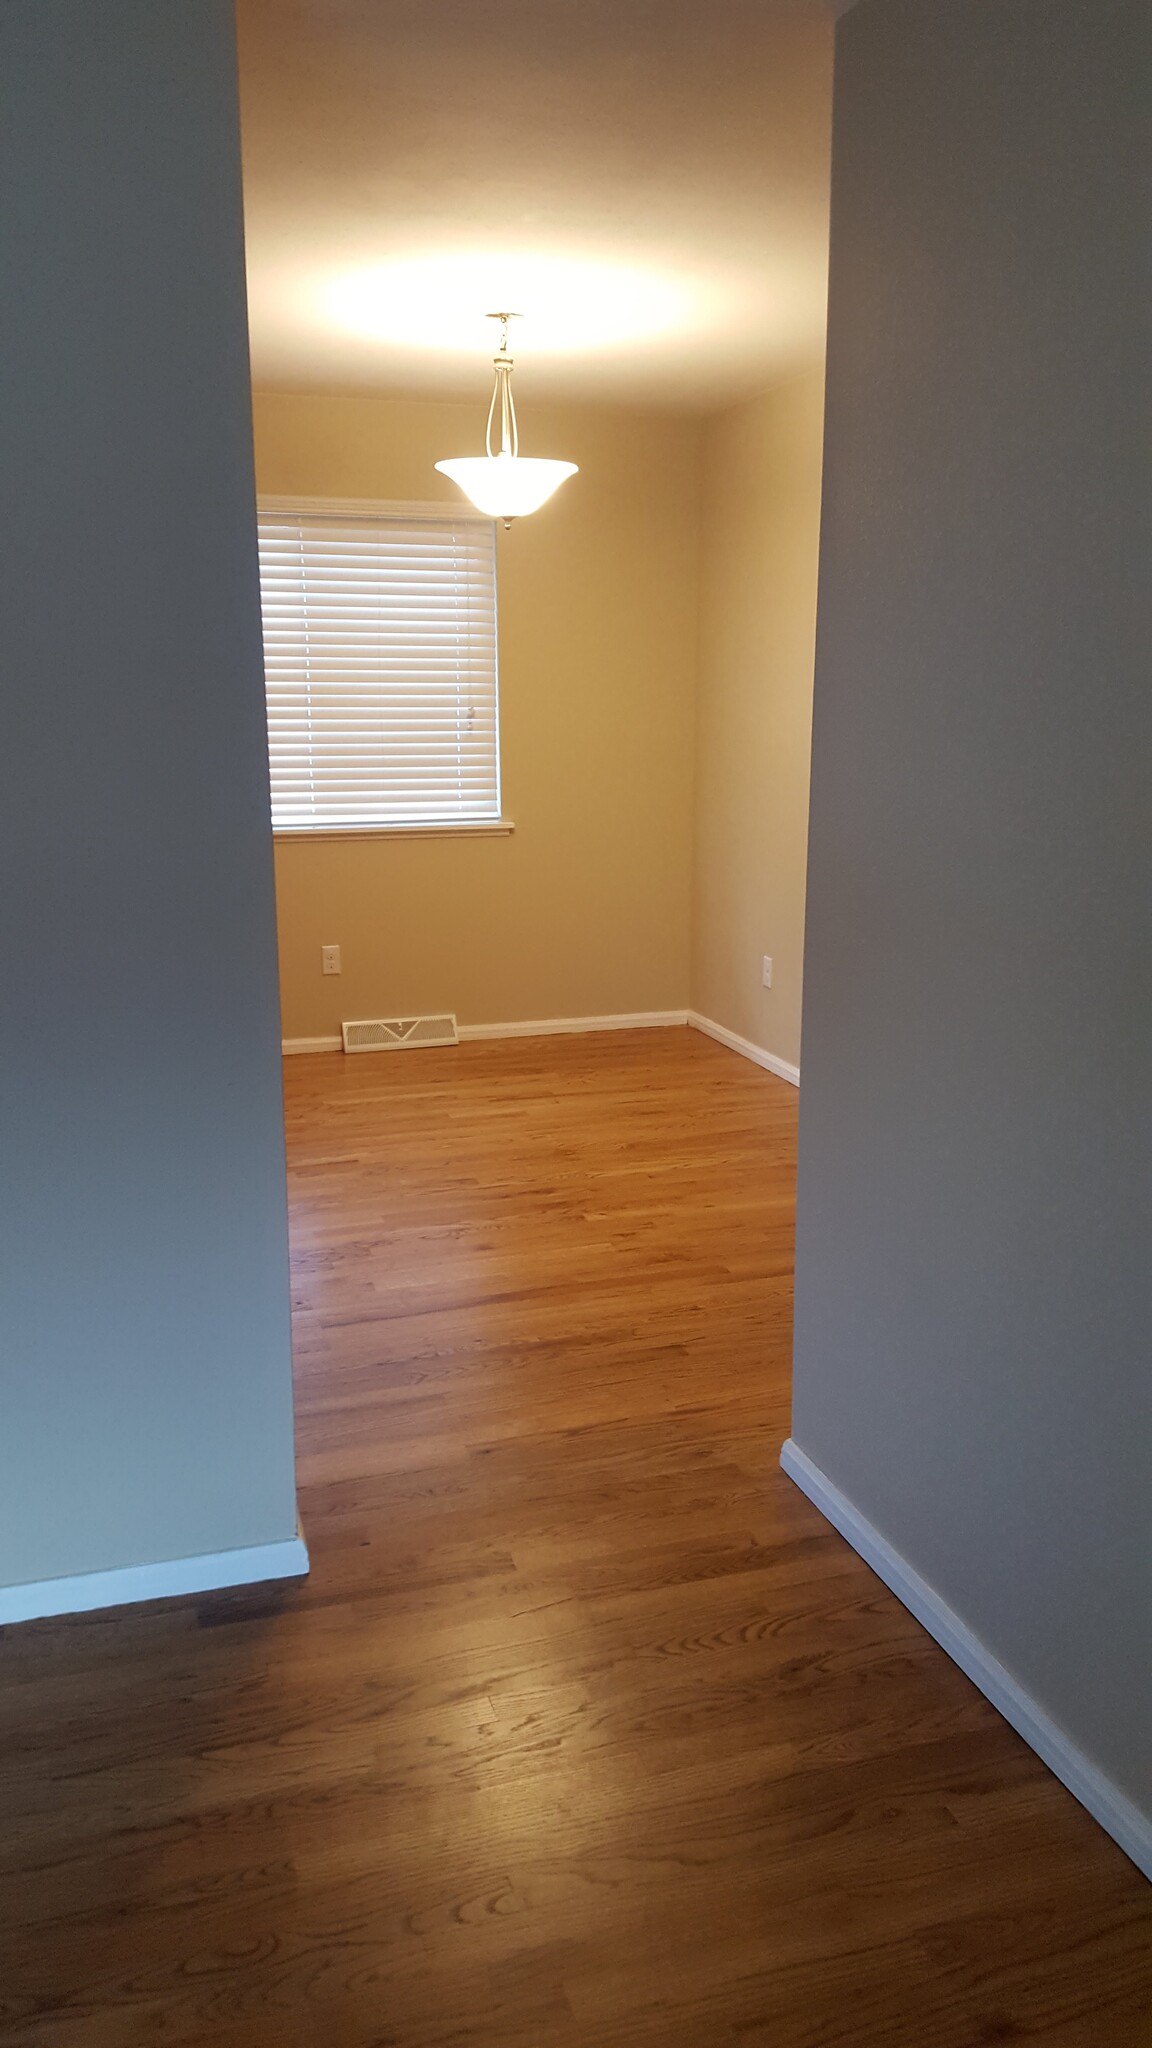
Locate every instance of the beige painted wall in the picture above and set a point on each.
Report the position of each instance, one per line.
(759, 541)
(584, 910)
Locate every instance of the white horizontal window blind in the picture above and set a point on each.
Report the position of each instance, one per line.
(380, 662)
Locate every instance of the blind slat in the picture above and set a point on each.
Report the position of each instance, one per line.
(380, 667)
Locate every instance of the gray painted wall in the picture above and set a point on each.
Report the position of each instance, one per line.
(973, 1309)
(145, 1394)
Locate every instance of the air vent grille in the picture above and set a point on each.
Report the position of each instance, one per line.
(391, 1034)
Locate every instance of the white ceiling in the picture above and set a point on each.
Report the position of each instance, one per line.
(645, 181)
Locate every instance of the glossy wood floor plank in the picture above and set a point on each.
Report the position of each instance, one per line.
(586, 1731)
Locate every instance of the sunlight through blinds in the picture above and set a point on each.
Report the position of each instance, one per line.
(380, 665)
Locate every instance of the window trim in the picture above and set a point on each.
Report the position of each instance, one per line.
(279, 504)
(469, 828)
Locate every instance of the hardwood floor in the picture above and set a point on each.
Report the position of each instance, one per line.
(586, 1731)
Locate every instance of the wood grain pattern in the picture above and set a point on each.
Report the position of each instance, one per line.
(586, 1731)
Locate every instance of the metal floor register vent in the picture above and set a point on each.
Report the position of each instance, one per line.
(390, 1034)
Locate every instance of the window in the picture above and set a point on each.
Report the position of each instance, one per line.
(380, 664)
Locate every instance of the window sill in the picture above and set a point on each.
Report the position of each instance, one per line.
(465, 829)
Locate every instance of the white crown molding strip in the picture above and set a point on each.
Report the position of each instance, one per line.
(210, 1573)
(1128, 1827)
(733, 1040)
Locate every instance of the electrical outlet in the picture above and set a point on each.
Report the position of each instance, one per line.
(767, 970)
(329, 959)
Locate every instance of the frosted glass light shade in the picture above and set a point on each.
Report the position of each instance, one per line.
(507, 486)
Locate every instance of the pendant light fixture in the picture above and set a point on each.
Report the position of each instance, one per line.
(505, 484)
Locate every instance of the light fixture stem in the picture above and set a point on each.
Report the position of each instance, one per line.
(502, 395)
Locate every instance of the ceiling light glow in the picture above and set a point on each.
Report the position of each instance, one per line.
(570, 306)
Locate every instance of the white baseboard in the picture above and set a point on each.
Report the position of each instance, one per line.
(535, 1027)
(547, 1027)
(131, 1583)
(732, 1039)
(636, 1020)
(1130, 1828)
